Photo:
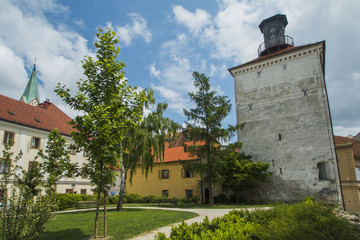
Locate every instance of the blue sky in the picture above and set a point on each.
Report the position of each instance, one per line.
(163, 41)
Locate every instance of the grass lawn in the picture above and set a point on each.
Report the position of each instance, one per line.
(121, 225)
(201, 206)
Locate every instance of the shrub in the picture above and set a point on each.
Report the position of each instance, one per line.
(148, 199)
(133, 198)
(113, 199)
(66, 200)
(222, 198)
(307, 220)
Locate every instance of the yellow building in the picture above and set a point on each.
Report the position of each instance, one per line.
(348, 155)
(168, 178)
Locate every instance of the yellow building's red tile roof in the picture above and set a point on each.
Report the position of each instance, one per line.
(46, 116)
(174, 149)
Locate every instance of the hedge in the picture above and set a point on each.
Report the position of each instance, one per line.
(307, 220)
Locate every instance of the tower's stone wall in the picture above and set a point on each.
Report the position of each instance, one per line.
(282, 98)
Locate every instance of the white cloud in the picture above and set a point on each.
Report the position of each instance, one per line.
(346, 131)
(175, 81)
(79, 22)
(155, 73)
(26, 34)
(138, 29)
(232, 36)
(194, 21)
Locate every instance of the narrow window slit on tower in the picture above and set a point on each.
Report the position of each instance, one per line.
(273, 162)
(279, 137)
(280, 170)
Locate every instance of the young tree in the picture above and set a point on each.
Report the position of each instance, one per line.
(145, 144)
(56, 160)
(110, 106)
(204, 128)
(240, 173)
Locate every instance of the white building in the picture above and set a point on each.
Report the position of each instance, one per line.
(281, 96)
(28, 123)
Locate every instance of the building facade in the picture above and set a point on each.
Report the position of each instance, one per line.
(169, 178)
(281, 96)
(28, 122)
(348, 155)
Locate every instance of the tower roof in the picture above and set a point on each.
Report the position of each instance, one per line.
(31, 93)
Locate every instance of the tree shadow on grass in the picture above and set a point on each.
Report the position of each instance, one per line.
(68, 234)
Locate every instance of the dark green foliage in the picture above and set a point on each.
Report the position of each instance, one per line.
(133, 198)
(308, 220)
(193, 199)
(240, 172)
(69, 200)
(66, 200)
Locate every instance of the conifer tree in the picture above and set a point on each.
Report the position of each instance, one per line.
(204, 128)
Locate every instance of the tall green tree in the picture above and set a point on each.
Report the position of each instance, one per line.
(205, 129)
(240, 173)
(110, 107)
(145, 144)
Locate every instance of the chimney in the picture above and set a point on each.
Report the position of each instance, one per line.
(45, 104)
(273, 29)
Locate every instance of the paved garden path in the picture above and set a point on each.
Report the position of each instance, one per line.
(210, 213)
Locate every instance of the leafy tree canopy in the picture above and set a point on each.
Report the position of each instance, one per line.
(110, 107)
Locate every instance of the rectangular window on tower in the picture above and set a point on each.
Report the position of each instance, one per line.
(322, 171)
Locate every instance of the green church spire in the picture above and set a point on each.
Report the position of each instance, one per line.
(31, 93)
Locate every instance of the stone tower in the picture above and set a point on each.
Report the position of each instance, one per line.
(281, 96)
